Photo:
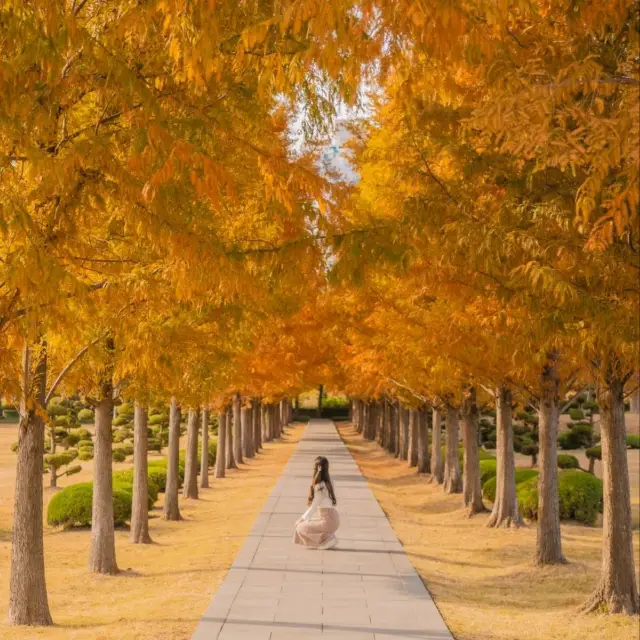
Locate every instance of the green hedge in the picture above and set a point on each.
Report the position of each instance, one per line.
(566, 461)
(124, 480)
(579, 493)
(576, 414)
(487, 470)
(118, 455)
(522, 475)
(633, 441)
(71, 507)
(86, 415)
(162, 466)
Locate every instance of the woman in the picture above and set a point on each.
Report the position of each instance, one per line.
(318, 532)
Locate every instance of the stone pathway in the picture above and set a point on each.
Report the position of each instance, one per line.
(364, 589)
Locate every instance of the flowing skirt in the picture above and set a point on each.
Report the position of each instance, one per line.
(317, 532)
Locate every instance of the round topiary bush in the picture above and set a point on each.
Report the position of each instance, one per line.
(127, 449)
(84, 444)
(489, 487)
(566, 461)
(86, 415)
(158, 476)
(576, 414)
(124, 480)
(487, 470)
(55, 410)
(118, 455)
(580, 496)
(161, 466)
(83, 434)
(158, 418)
(70, 440)
(85, 454)
(125, 409)
(154, 445)
(633, 441)
(120, 421)
(71, 507)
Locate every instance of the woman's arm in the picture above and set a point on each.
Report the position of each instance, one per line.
(317, 499)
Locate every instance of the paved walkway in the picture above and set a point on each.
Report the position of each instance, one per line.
(364, 589)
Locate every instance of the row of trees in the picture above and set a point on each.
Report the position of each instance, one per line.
(160, 239)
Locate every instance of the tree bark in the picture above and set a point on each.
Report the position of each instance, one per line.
(505, 512)
(231, 460)
(372, 421)
(617, 590)
(423, 442)
(102, 558)
(412, 453)
(471, 487)
(171, 510)
(404, 433)
(190, 486)
(549, 543)
(221, 458)
(257, 427)
(393, 428)
(452, 480)
(320, 396)
(437, 463)
(266, 434)
(246, 426)
(28, 601)
(204, 460)
(237, 429)
(140, 506)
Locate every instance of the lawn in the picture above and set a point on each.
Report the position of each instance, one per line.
(483, 580)
(164, 588)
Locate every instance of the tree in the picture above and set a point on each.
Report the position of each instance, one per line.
(171, 510)
(452, 480)
(471, 487)
(190, 486)
(140, 508)
(204, 462)
(221, 458)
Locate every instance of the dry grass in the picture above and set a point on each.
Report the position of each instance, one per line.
(165, 587)
(482, 579)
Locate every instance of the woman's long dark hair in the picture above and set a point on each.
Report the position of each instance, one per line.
(321, 474)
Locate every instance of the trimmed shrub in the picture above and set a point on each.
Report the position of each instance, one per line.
(158, 476)
(126, 448)
(120, 421)
(213, 448)
(487, 470)
(161, 466)
(82, 433)
(158, 418)
(124, 481)
(569, 440)
(154, 445)
(71, 507)
(633, 441)
(118, 455)
(86, 415)
(576, 414)
(592, 406)
(125, 409)
(594, 453)
(580, 496)
(84, 444)
(334, 402)
(566, 461)
(70, 440)
(522, 475)
(485, 455)
(85, 454)
(55, 410)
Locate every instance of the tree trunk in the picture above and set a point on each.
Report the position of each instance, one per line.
(320, 395)
(231, 460)
(204, 460)
(257, 427)
(452, 480)
(423, 442)
(505, 512)
(437, 463)
(404, 433)
(53, 472)
(471, 487)
(549, 543)
(246, 426)
(617, 591)
(102, 558)
(393, 428)
(221, 458)
(28, 602)
(635, 398)
(372, 421)
(412, 453)
(592, 466)
(190, 486)
(171, 510)
(140, 504)
(237, 429)
(266, 434)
